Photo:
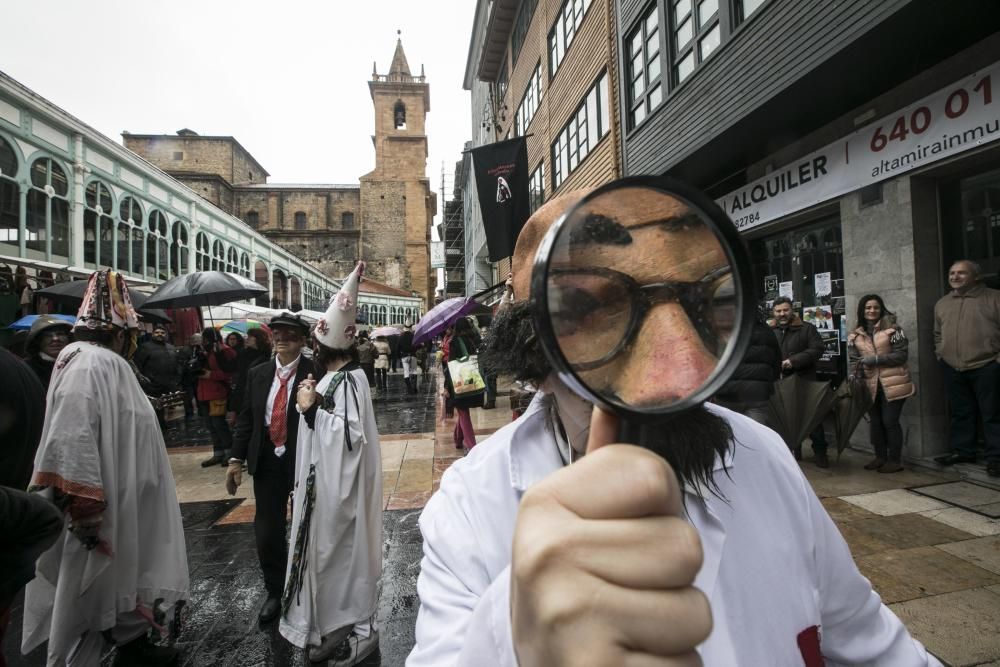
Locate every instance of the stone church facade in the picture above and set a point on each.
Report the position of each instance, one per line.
(385, 219)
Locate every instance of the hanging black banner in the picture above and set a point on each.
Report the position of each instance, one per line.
(502, 184)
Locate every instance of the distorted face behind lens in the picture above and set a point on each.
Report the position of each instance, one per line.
(641, 297)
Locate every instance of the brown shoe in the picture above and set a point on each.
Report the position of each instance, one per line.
(891, 466)
(875, 464)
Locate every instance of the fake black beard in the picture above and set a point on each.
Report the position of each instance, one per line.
(690, 443)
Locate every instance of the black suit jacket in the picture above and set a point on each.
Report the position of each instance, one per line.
(251, 433)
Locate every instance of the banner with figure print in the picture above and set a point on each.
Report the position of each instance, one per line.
(502, 185)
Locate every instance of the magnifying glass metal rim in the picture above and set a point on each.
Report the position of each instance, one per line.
(738, 257)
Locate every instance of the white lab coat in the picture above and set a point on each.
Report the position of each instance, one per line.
(774, 562)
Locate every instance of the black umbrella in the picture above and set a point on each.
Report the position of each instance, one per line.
(798, 406)
(851, 402)
(71, 294)
(203, 288)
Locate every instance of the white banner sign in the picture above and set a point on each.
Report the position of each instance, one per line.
(437, 255)
(955, 119)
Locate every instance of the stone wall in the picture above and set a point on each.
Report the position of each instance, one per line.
(885, 247)
(383, 238)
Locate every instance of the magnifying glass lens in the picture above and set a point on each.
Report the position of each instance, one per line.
(642, 299)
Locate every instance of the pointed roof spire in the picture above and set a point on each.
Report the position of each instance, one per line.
(399, 64)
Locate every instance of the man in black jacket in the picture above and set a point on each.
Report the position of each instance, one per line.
(751, 385)
(801, 348)
(405, 350)
(158, 363)
(266, 430)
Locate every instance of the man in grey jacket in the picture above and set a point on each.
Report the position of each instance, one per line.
(967, 340)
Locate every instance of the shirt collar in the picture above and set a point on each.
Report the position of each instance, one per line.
(291, 366)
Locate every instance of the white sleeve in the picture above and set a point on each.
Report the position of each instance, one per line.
(855, 627)
(464, 616)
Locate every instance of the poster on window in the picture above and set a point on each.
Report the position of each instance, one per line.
(831, 344)
(822, 283)
(785, 290)
(820, 317)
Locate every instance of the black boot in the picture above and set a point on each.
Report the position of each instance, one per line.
(142, 653)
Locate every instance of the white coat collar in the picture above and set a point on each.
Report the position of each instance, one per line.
(530, 463)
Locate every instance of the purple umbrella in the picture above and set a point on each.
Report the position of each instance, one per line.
(442, 316)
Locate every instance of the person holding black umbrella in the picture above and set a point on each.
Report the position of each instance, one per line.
(879, 345)
(214, 384)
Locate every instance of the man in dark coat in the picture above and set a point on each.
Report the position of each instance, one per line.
(752, 383)
(266, 431)
(157, 360)
(405, 351)
(801, 348)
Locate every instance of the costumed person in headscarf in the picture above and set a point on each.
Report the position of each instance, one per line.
(120, 566)
(335, 549)
(46, 339)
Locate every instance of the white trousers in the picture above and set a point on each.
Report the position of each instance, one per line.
(409, 366)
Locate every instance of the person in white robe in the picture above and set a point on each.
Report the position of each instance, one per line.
(120, 566)
(335, 549)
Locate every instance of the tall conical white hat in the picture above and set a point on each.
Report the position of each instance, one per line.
(336, 328)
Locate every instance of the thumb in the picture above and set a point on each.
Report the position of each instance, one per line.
(603, 429)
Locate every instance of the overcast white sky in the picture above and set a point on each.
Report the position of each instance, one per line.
(287, 78)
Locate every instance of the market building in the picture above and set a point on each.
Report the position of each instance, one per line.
(852, 164)
(545, 70)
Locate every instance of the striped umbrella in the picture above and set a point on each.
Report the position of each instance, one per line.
(442, 316)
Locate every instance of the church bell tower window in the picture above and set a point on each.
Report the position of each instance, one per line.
(399, 115)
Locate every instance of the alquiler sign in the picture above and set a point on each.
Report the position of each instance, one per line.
(955, 119)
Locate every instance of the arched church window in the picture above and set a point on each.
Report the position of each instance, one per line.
(98, 226)
(300, 221)
(47, 220)
(399, 115)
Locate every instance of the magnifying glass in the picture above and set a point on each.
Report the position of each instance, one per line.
(644, 302)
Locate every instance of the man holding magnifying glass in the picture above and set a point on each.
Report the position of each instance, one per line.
(554, 545)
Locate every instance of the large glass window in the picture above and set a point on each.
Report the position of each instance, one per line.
(645, 90)
(178, 249)
(245, 265)
(529, 103)
(799, 260)
(744, 8)
(218, 256)
(584, 130)
(501, 83)
(970, 222)
(202, 256)
(10, 200)
(564, 30)
(156, 246)
(98, 225)
(521, 24)
(232, 260)
(536, 187)
(696, 32)
(47, 225)
(131, 239)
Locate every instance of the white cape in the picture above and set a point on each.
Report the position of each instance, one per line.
(101, 441)
(342, 559)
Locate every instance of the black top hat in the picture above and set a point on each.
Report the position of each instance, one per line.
(286, 319)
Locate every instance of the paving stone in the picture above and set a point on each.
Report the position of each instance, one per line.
(970, 522)
(895, 501)
(841, 511)
(960, 628)
(911, 573)
(389, 481)
(906, 531)
(992, 510)
(962, 494)
(415, 476)
(983, 552)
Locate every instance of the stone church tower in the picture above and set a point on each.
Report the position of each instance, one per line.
(397, 203)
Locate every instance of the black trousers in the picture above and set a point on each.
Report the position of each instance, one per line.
(273, 482)
(974, 395)
(218, 427)
(884, 429)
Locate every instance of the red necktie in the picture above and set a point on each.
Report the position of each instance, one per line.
(279, 413)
